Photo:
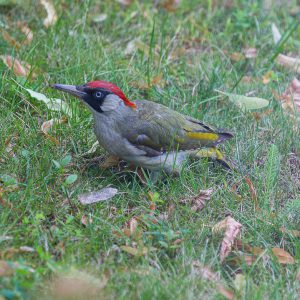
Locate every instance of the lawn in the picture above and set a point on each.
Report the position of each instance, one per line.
(148, 242)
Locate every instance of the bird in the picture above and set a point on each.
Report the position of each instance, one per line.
(145, 133)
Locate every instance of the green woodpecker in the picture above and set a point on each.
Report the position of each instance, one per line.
(146, 133)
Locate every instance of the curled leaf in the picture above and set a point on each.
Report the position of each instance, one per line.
(198, 202)
(291, 99)
(47, 125)
(289, 62)
(207, 274)
(131, 227)
(250, 52)
(51, 13)
(232, 229)
(19, 68)
(101, 195)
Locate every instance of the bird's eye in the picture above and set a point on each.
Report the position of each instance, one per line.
(98, 95)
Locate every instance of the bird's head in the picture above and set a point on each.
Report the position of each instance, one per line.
(99, 95)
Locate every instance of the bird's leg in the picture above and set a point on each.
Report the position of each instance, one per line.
(215, 154)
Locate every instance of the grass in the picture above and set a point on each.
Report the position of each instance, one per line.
(43, 212)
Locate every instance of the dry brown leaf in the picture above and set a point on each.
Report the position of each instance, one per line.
(130, 227)
(232, 229)
(283, 256)
(171, 5)
(239, 245)
(289, 62)
(19, 68)
(206, 273)
(85, 220)
(253, 192)
(51, 13)
(47, 126)
(294, 233)
(10, 39)
(291, 99)
(250, 52)
(26, 31)
(198, 202)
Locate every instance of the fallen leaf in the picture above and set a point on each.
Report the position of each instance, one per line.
(283, 256)
(206, 273)
(135, 251)
(26, 249)
(51, 13)
(85, 220)
(53, 104)
(100, 18)
(19, 68)
(101, 195)
(294, 233)
(130, 227)
(246, 103)
(252, 192)
(250, 52)
(289, 62)
(291, 99)
(26, 31)
(198, 202)
(10, 39)
(232, 229)
(276, 33)
(245, 247)
(47, 125)
(171, 5)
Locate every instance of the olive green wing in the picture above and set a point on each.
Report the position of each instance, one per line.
(156, 129)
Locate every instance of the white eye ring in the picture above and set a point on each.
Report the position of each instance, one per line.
(98, 94)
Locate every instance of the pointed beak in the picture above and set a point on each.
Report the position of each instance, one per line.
(70, 89)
